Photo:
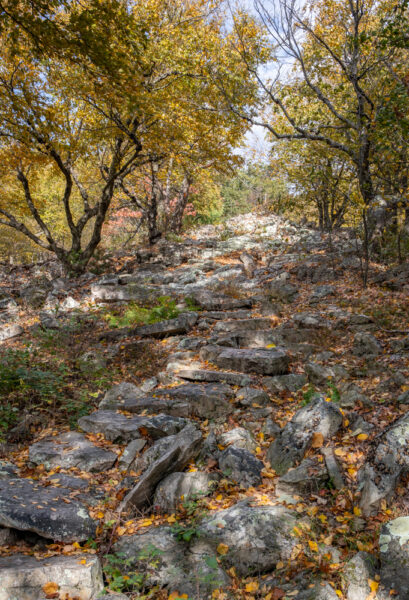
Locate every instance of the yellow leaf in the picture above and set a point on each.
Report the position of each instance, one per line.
(145, 523)
(171, 519)
(373, 585)
(317, 440)
(222, 549)
(338, 593)
(76, 545)
(100, 515)
(297, 531)
(50, 588)
(357, 511)
(313, 546)
(280, 565)
(83, 561)
(252, 586)
(271, 346)
(362, 437)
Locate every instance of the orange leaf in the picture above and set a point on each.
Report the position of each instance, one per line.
(317, 440)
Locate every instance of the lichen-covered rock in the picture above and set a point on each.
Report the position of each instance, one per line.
(23, 577)
(257, 536)
(394, 556)
(384, 466)
(240, 466)
(178, 326)
(294, 439)
(71, 449)
(282, 383)
(50, 512)
(182, 487)
(357, 572)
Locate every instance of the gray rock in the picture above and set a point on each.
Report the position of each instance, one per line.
(23, 577)
(238, 437)
(69, 450)
(182, 487)
(130, 453)
(320, 292)
(282, 291)
(385, 465)
(240, 325)
(366, 345)
(357, 571)
(333, 468)
(204, 400)
(215, 376)
(92, 362)
(320, 591)
(70, 303)
(178, 566)
(28, 506)
(240, 466)
(179, 326)
(309, 477)
(10, 331)
(49, 320)
(35, 293)
(274, 361)
(394, 556)
(119, 428)
(184, 448)
(7, 470)
(67, 481)
(285, 383)
(210, 301)
(127, 293)
(352, 395)
(119, 394)
(294, 439)
(310, 321)
(8, 537)
(249, 396)
(319, 374)
(192, 343)
(257, 536)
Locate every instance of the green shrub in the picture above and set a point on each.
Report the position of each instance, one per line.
(135, 314)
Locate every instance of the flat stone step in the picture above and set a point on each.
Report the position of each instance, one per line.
(219, 315)
(185, 400)
(216, 376)
(50, 512)
(274, 361)
(242, 325)
(120, 428)
(71, 449)
(220, 302)
(24, 577)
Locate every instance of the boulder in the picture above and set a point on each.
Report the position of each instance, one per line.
(366, 345)
(24, 577)
(124, 293)
(120, 428)
(317, 417)
(257, 537)
(240, 466)
(35, 293)
(384, 466)
(274, 361)
(182, 449)
(394, 556)
(50, 512)
(69, 450)
(182, 487)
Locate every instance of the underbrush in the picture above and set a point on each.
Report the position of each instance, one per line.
(136, 315)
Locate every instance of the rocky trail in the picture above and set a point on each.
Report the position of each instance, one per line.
(261, 452)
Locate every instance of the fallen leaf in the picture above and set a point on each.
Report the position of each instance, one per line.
(252, 586)
(222, 549)
(317, 440)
